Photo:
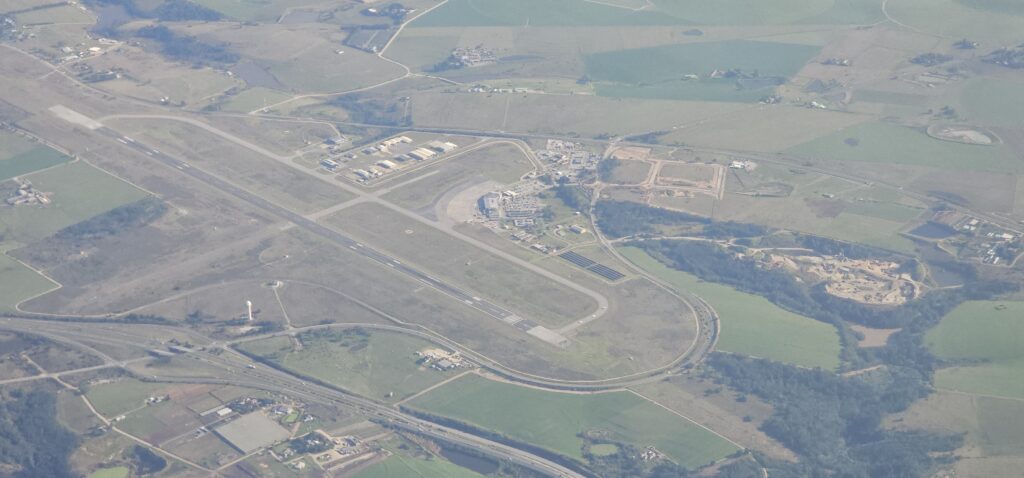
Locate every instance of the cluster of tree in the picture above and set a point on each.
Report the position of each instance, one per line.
(130, 318)
(1008, 57)
(354, 339)
(572, 196)
(730, 229)
(185, 10)
(145, 462)
(624, 218)
(713, 263)
(186, 48)
(930, 59)
(146, 319)
(832, 247)
(606, 167)
(834, 423)
(110, 223)
(32, 443)
(369, 110)
(949, 197)
(312, 442)
(648, 138)
(169, 10)
(395, 11)
(965, 44)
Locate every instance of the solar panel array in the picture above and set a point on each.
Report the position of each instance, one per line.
(590, 265)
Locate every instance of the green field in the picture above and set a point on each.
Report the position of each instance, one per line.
(629, 172)
(115, 398)
(399, 466)
(506, 283)
(80, 191)
(113, 472)
(993, 102)
(537, 13)
(319, 69)
(989, 332)
(29, 161)
(750, 324)
(1009, 7)
(370, 363)
(889, 211)
(554, 420)
(994, 23)
(1001, 423)
(18, 283)
(992, 427)
(872, 230)
(493, 13)
(888, 143)
(253, 10)
(657, 72)
(775, 12)
(251, 99)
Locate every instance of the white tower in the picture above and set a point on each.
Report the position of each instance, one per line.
(248, 304)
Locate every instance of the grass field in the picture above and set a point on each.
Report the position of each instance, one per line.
(18, 283)
(989, 332)
(112, 472)
(554, 420)
(321, 70)
(1002, 425)
(253, 171)
(508, 284)
(33, 160)
(993, 428)
(657, 72)
(464, 13)
(629, 172)
(884, 210)
(778, 12)
(893, 144)
(370, 363)
(115, 398)
(251, 99)
(80, 191)
(401, 465)
(750, 324)
(992, 22)
(762, 128)
(993, 102)
(20, 156)
(252, 10)
(539, 13)
(585, 115)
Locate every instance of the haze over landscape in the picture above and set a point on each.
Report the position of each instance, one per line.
(511, 238)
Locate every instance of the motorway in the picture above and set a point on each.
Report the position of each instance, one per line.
(236, 369)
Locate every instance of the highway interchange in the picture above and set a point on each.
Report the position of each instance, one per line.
(235, 369)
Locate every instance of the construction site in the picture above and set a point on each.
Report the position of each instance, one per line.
(868, 281)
